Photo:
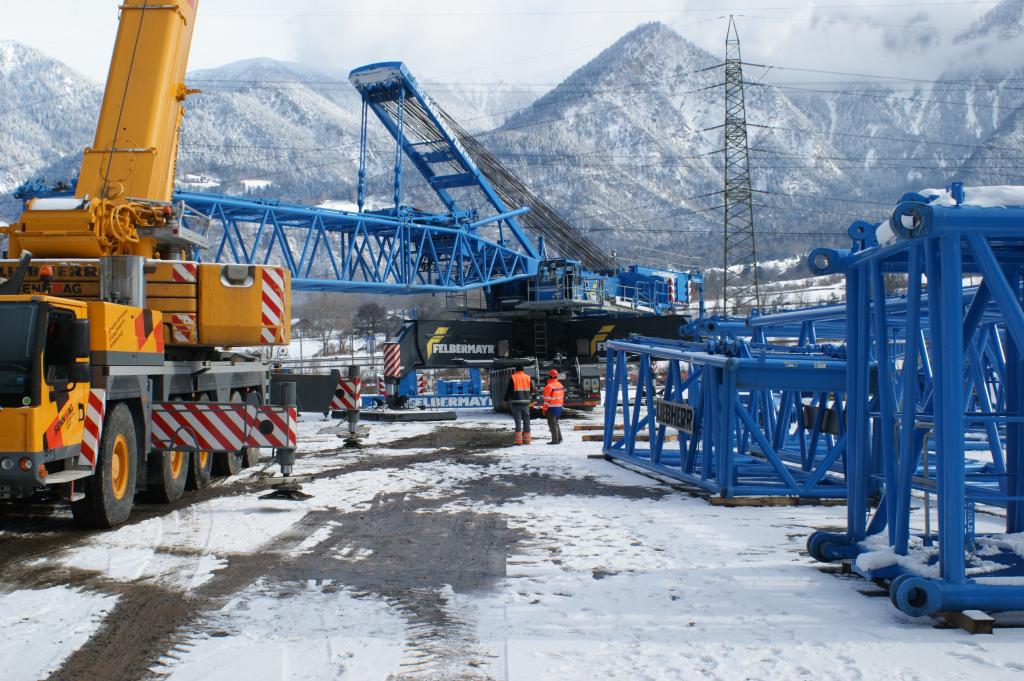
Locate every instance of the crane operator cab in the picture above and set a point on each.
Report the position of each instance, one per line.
(559, 280)
(44, 388)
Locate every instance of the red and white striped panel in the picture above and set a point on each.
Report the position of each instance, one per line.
(671, 289)
(348, 395)
(184, 272)
(392, 360)
(273, 304)
(183, 328)
(271, 426)
(382, 388)
(221, 426)
(93, 425)
(422, 385)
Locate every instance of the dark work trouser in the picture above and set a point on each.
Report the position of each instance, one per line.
(521, 415)
(556, 430)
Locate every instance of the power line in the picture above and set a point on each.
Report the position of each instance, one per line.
(882, 95)
(595, 12)
(850, 22)
(822, 196)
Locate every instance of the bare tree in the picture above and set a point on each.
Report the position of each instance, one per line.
(327, 315)
(371, 319)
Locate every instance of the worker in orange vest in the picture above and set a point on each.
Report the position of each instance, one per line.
(554, 398)
(519, 395)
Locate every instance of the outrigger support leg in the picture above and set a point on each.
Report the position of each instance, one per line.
(288, 486)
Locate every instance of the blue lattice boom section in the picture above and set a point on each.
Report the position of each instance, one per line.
(948, 424)
(744, 419)
(343, 251)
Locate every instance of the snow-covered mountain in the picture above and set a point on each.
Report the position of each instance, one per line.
(273, 128)
(1005, 21)
(48, 111)
(258, 126)
(628, 147)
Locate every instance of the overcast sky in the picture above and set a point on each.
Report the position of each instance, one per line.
(536, 42)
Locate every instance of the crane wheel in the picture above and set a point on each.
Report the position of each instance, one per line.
(200, 466)
(227, 463)
(167, 474)
(110, 491)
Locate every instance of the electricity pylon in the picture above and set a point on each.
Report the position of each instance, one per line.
(740, 292)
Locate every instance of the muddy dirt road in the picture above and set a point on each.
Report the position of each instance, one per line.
(401, 546)
(438, 552)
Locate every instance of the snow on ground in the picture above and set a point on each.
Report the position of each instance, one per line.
(675, 589)
(314, 635)
(183, 549)
(607, 583)
(616, 588)
(42, 627)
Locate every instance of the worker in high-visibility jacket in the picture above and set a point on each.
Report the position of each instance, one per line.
(554, 398)
(519, 395)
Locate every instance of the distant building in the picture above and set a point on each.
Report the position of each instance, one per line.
(302, 326)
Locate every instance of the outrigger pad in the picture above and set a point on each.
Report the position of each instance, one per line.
(287, 488)
(295, 494)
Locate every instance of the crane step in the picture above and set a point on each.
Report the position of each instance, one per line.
(68, 475)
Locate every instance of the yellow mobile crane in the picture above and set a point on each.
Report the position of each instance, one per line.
(111, 382)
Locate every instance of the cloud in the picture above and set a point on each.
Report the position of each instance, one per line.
(917, 34)
(536, 42)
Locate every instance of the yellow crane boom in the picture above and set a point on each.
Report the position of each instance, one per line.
(127, 175)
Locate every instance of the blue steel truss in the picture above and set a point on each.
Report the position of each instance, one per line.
(334, 250)
(390, 91)
(949, 421)
(766, 420)
(460, 171)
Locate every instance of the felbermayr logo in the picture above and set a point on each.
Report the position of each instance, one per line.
(435, 339)
(464, 348)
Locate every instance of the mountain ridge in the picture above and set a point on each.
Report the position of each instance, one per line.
(627, 147)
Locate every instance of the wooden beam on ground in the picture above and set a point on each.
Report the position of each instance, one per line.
(599, 437)
(971, 621)
(774, 501)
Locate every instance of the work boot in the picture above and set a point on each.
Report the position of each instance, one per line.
(553, 442)
(526, 438)
(519, 438)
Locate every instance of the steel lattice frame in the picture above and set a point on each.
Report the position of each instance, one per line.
(332, 250)
(956, 388)
(740, 292)
(767, 420)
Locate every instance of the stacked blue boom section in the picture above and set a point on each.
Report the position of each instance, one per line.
(746, 416)
(949, 422)
(913, 411)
